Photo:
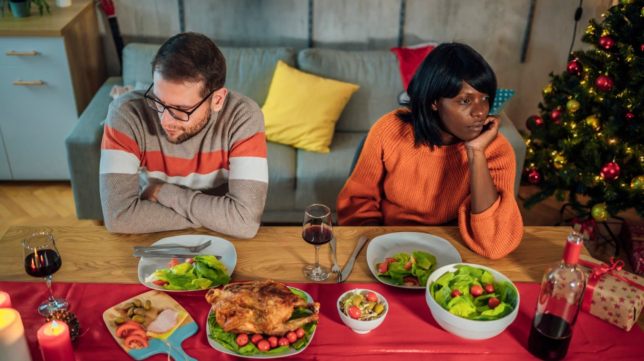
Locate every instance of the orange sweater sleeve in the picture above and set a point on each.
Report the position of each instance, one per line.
(498, 230)
(359, 200)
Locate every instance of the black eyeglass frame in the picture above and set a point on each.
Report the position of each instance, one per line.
(170, 109)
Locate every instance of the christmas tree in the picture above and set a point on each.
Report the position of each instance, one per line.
(589, 138)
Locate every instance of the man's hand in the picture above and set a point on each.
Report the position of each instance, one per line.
(151, 191)
(490, 130)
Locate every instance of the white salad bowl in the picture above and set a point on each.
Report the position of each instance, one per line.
(358, 326)
(462, 327)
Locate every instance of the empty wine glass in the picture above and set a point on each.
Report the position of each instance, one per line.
(317, 230)
(43, 260)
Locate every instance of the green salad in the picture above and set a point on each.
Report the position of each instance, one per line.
(200, 273)
(408, 270)
(472, 293)
(229, 340)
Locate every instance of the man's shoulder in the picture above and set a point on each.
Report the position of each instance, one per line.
(238, 101)
(129, 100)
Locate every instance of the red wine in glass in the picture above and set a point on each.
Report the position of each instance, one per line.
(317, 229)
(317, 234)
(43, 260)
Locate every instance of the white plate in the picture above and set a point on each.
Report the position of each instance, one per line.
(390, 244)
(291, 351)
(218, 246)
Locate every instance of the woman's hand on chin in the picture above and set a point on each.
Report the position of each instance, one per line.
(490, 130)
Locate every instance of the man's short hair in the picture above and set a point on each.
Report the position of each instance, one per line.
(191, 57)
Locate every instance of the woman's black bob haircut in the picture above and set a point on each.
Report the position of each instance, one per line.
(441, 75)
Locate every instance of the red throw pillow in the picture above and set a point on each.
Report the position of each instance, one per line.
(409, 59)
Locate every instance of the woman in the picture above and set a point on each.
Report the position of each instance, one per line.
(440, 159)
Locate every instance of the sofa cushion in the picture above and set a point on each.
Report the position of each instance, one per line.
(248, 70)
(377, 74)
(320, 177)
(281, 177)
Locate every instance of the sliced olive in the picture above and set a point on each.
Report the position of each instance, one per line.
(138, 318)
(127, 306)
(119, 320)
(139, 311)
(130, 312)
(379, 308)
(370, 305)
(357, 300)
(147, 304)
(137, 302)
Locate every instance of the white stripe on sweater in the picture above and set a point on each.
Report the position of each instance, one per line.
(194, 181)
(249, 168)
(118, 161)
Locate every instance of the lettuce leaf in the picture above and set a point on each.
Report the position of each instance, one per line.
(423, 264)
(206, 272)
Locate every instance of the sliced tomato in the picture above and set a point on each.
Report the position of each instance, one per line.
(138, 332)
(383, 267)
(190, 260)
(173, 263)
(390, 260)
(410, 281)
(408, 265)
(126, 328)
(136, 341)
(160, 282)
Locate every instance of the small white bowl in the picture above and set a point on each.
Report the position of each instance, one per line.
(358, 326)
(462, 327)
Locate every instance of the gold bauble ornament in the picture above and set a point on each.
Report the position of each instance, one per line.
(593, 121)
(637, 183)
(547, 90)
(559, 161)
(599, 212)
(572, 105)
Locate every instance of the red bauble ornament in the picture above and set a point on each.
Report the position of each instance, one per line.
(534, 176)
(534, 120)
(556, 115)
(574, 67)
(629, 116)
(606, 42)
(642, 48)
(610, 171)
(604, 83)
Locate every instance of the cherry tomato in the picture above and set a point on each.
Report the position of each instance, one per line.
(283, 341)
(411, 281)
(256, 338)
(263, 345)
(493, 302)
(190, 260)
(383, 267)
(160, 282)
(456, 293)
(371, 297)
(489, 288)
(476, 290)
(300, 332)
(173, 263)
(408, 265)
(242, 339)
(136, 341)
(273, 341)
(354, 312)
(390, 260)
(126, 328)
(292, 337)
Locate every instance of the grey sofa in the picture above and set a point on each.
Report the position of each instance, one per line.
(297, 178)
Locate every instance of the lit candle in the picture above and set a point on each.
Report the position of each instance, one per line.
(13, 344)
(55, 342)
(5, 300)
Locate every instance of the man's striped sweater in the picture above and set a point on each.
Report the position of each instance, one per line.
(217, 179)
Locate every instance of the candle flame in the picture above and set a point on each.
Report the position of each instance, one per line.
(54, 328)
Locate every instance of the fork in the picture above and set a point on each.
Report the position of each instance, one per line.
(335, 269)
(196, 248)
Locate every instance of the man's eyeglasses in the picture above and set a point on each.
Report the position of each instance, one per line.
(177, 114)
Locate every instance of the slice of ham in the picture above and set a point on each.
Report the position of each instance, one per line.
(166, 320)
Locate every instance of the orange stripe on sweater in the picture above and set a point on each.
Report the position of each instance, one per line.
(115, 140)
(253, 146)
(202, 163)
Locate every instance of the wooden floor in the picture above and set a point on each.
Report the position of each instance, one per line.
(52, 204)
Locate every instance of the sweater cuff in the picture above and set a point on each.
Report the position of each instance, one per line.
(486, 214)
(177, 199)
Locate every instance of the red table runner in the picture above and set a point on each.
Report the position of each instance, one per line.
(408, 332)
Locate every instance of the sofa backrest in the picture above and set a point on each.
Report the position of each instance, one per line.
(249, 71)
(376, 72)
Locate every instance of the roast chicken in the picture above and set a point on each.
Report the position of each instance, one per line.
(259, 307)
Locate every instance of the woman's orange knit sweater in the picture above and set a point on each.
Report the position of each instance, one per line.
(397, 184)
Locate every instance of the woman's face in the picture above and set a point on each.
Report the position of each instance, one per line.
(463, 116)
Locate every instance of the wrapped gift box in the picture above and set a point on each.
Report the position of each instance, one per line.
(632, 236)
(612, 294)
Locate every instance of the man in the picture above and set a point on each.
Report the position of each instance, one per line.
(187, 152)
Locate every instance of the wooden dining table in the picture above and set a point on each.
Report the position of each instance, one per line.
(94, 255)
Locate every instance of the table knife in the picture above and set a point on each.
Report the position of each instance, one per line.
(349, 266)
(168, 255)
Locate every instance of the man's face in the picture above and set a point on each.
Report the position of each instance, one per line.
(184, 96)
(463, 116)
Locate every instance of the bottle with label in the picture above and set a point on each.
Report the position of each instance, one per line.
(562, 289)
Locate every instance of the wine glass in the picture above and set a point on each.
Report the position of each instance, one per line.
(317, 230)
(43, 260)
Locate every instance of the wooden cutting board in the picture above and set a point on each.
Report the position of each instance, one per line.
(172, 345)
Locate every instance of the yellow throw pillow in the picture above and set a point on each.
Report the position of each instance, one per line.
(301, 109)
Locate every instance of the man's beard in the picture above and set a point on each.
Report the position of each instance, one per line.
(190, 131)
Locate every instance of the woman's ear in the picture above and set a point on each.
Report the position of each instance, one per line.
(434, 106)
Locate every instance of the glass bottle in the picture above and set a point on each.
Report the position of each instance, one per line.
(559, 302)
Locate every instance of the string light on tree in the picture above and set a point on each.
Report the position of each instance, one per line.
(559, 161)
(547, 90)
